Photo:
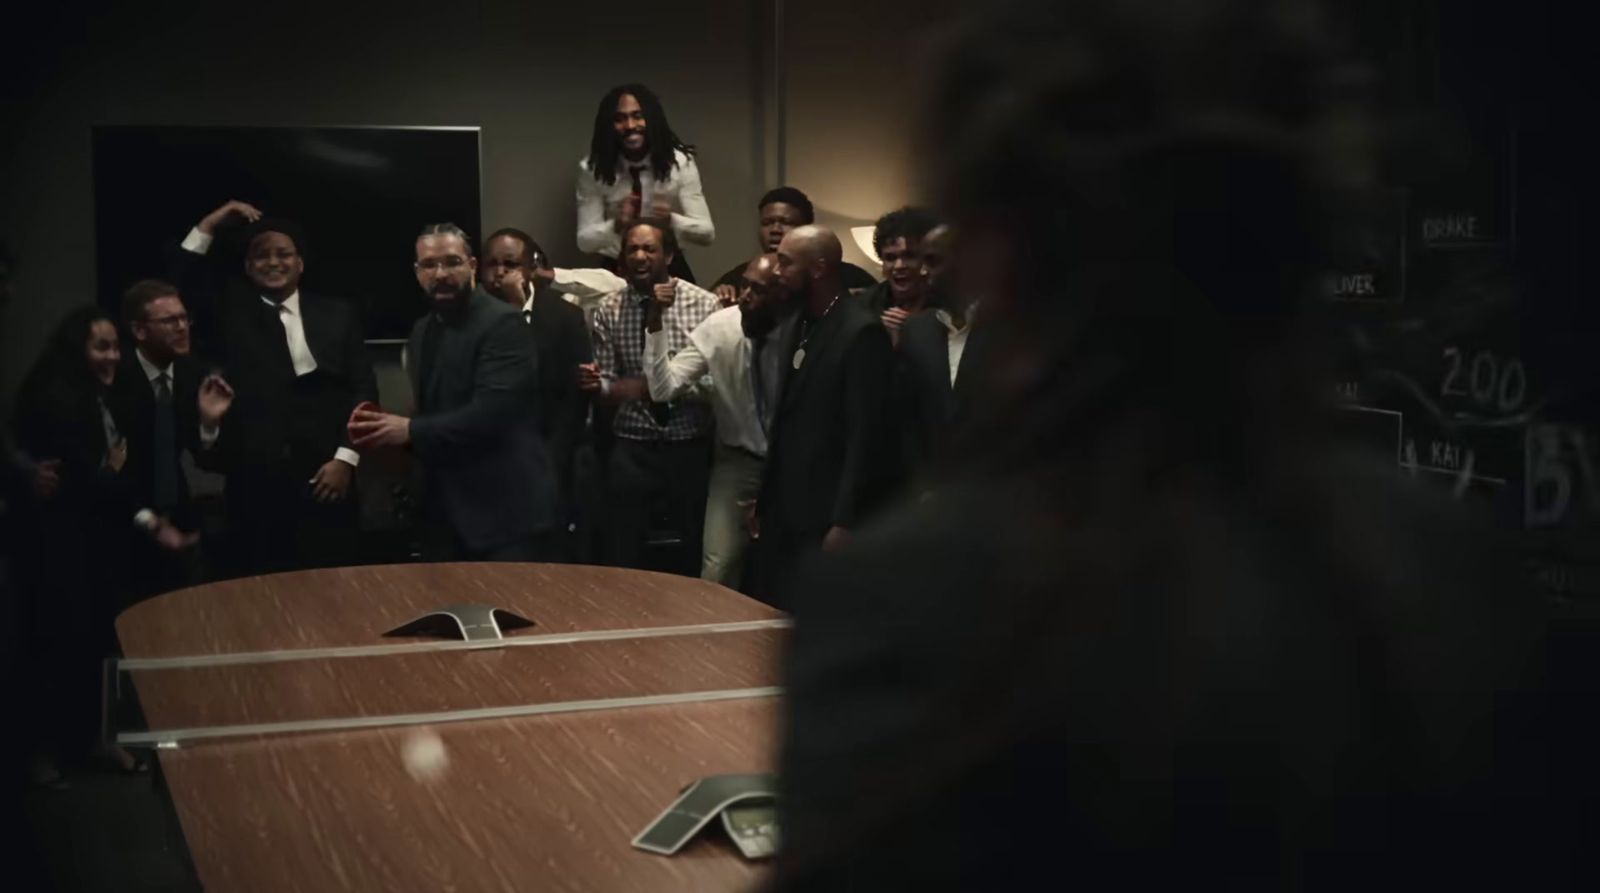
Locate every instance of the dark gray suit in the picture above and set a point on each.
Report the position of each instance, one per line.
(476, 427)
(931, 408)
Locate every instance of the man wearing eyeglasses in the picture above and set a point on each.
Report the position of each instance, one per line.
(298, 364)
(171, 409)
(473, 365)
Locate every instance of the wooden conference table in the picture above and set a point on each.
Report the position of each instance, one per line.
(541, 802)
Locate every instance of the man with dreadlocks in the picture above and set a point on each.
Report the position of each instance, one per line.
(638, 167)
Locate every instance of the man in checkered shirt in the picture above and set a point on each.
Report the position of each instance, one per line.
(662, 453)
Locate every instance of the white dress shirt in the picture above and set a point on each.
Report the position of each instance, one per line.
(955, 340)
(598, 204)
(294, 331)
(718, 348)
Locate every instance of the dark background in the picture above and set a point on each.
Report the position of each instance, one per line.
(361, 195)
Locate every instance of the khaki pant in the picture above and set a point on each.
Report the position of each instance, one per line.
(735, 478)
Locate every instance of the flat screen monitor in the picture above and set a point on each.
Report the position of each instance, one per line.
(360, 193)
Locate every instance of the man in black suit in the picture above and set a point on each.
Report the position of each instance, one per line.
(170, 410)
(516, 270)
(938, 359)
(299, 366)
(831, 457)
(474, 370)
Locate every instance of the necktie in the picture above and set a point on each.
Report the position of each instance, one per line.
(660, 412)
(164, 447)
(638, 185)
(295, 334)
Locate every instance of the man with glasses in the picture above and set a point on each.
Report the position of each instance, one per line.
(298, 363)
(516, 270)
(474, 368)
(170, 410)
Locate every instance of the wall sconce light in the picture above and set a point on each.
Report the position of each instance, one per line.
(863, 237)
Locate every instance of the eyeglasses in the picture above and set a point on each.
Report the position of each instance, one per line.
(178, 321)
(432, 264)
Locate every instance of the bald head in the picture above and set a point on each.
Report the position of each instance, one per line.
(762, 268)
(808, 262)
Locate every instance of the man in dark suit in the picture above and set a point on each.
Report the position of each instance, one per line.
(473, 365)
(170, 410)
(938, 358)
(298, 364)
(515, 270)
(831, 457)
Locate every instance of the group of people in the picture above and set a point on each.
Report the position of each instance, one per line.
(1137, 618)
(616, 413)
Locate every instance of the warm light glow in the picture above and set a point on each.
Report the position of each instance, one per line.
(863, 237)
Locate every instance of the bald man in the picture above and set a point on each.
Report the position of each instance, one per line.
(739, 348)
(831, 455)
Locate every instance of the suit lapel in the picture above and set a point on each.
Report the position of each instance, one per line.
(819, 348)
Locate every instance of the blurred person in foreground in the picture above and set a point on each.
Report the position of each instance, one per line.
(1159, 630)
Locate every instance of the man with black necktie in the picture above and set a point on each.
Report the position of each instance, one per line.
(489, 494)
(298, 364)
(662, 451)
(830, 460)
(170, 410)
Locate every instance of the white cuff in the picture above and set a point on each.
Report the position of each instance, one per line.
(605, 387)
(197, 242)
(655, 343)
(208, 436)
(347, 456)
(146, 520)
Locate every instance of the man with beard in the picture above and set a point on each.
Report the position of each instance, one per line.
(661, 456)
(170, 410)
(782, 209)
(831, 459)
(489, 494)
(740, 349)
(298, 364)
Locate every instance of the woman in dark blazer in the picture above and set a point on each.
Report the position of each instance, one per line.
(69, 421)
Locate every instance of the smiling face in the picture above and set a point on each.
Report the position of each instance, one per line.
(102, 351)
(902, 267)
(163, 333)
(630, 125)
(273, 263)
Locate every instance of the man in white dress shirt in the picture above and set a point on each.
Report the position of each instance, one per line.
(738, 348)
(638, 167)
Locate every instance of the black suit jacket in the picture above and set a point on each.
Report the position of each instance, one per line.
(138, 399)
(278, 421)
(561, 338)
(831, 455)
(930, 408)
(476, 428)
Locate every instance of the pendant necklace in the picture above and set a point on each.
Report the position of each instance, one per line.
(805, 336)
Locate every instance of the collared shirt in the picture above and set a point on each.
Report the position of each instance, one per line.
(208, 436)
(598, 203)
(955, 339)
(717, 348)
(619, 353)
(294, 331)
